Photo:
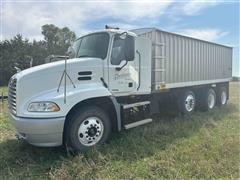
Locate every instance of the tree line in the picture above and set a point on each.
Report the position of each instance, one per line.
(22, 53)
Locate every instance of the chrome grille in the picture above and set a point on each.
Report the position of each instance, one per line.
(12, 95)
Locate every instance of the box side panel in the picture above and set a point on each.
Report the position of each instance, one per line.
(179, 61)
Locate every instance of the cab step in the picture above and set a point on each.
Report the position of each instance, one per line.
(138, 123)
(127, 106)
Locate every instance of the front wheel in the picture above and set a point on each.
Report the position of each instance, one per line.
(87, 128)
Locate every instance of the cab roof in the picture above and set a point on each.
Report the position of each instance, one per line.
(114, 31)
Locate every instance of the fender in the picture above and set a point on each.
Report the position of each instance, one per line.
(74, 96)
(97, 92)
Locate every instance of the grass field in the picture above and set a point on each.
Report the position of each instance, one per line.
(3, 90)
(203, 146)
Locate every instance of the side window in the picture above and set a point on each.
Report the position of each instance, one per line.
(118, 53)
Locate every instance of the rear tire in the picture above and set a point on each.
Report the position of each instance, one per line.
(187, 103)
(222, 96)
(208, 100)
(87, 128)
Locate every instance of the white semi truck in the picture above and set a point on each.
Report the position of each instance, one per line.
(115, 80)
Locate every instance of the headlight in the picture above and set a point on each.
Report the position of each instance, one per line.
(43, 107)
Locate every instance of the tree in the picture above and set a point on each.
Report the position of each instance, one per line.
(57, 39)
(19, 51)
(12, 53)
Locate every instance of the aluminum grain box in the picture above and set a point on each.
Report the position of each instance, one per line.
(179, 61)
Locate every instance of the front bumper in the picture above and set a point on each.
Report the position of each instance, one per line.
(39, 131)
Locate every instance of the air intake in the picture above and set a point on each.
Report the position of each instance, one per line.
(12, 95)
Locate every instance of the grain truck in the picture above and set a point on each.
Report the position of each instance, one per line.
(115, 80)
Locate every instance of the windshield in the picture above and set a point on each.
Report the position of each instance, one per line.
(93, 45)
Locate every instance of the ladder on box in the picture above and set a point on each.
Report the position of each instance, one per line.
(160, 60)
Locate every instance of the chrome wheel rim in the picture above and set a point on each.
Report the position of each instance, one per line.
(90, 131)
(223, 97)
(211, 100)
(190, 103)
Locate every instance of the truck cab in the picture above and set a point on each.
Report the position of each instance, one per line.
(81, 100)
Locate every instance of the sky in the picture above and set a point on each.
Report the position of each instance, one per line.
(211, 20)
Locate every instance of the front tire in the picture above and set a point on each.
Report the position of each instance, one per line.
(87, 128)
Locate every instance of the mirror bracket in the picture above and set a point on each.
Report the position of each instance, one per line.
(123, 33)
(120, 68)
(70, 52)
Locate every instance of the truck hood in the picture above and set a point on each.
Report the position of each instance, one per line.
(34, 82)
(57, 66)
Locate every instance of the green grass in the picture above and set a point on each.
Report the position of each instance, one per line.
(203, 146)
(3, 90)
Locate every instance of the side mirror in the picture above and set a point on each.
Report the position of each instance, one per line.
(70, 52)
(129, 48)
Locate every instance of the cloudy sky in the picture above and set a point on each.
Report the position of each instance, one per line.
(216, 21)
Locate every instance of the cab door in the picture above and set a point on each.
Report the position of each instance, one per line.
(123, 72)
